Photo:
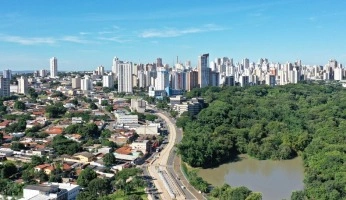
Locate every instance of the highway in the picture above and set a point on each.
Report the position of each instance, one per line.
(165, 168)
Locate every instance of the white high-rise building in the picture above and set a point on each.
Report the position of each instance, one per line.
(4, 87)
(76, 82)
(7, 73)
(107, 81)
(100, 70)
(22, 85)
(162, 79)
(53, 67)
(338, 73)
(86, 84)
(125, 77)
(142, 79)
(43, 72)
(115, 66)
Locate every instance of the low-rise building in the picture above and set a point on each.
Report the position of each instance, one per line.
(138, 105)
(122, 118)
(142, 146)
(194, 106)
(58, 191)
(151, 129)
(82, 157)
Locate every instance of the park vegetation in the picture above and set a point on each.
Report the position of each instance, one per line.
(306, 119)
(126, 183)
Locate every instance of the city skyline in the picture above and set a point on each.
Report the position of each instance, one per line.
(84, 35)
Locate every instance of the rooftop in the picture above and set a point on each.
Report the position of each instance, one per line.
(124, 150)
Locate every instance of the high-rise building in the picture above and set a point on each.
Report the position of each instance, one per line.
(229, 81)
(159, 62)
(4, 87)
(108, 81)
(191, 80)
(53, 67)
(270, 80)
(100, 70)
(142, 82)
(43, 73)
(86, 83)
(203, 70)
(246, 63)
(125, 77)
(7, 73)
(76, 82)
(22, 85)
(162, 79)
(244, 81)
(36, 73)
(115, 67)
(338, 73)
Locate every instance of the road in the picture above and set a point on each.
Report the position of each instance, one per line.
(165, 169)
(174, 162)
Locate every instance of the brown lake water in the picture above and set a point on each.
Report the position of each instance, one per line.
(274, 179)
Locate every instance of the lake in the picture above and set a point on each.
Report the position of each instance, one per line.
(274, 179)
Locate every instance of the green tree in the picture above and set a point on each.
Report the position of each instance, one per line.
(55, 110)
(36, 160)
(93, 106)
(106, 89)
(99, 186)
(17, 146)
(86, 195)
(104, 103)
(74, 101)
(85, 177)
(62, 145)
(19, 105)
(7, 170)
(109, 108)
(254, 196)
(32, 93)
(109, 159)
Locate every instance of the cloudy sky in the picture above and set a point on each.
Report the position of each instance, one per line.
(84, 34)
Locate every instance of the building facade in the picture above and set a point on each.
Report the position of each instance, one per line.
(53, 67)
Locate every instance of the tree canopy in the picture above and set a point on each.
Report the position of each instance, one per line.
(273, 123)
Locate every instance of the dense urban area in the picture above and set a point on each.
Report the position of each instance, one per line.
(141, 131)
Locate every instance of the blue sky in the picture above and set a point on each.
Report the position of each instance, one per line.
(85, 34)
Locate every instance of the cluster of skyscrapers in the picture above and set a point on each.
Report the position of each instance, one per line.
(161, 79)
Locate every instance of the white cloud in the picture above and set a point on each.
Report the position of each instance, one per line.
(27, 40)
(41, 40)
(74, 39)
(114, 39)
(174, 32)
(84, 33)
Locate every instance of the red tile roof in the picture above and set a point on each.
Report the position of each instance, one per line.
(124, 150)
(5, 123)
(54, 130)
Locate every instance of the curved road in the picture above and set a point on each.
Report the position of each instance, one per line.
(169, 164)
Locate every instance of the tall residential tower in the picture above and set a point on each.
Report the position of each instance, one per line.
(203, 71)
(53, 67)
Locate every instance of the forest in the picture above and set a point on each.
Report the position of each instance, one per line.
(306, 119)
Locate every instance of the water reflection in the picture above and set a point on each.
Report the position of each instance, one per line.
(275, 179)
